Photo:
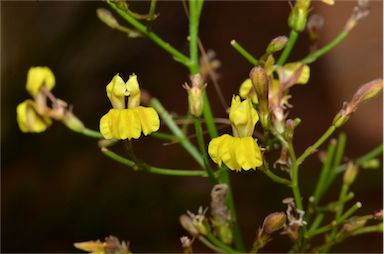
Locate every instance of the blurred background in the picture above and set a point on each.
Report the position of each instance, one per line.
(57, 188)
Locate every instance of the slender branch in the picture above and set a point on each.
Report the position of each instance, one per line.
(203, 150)
(151, 169)
(151, 14)
(265, 169)
(321, 183)
(211, 246)
(244, 53)
(156, 39)
(287, 50)
(184, 141)
(164, 136)
(91, 133)
(370, 155)
(220, 244)
(370, 229)
(341, 141)
(322, 51)
(310, 150)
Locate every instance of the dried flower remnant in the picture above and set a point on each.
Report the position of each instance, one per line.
(221, 217)
(112, 245)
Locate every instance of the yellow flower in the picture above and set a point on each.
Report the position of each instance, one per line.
(127, 121)
(290, 68)
(241, 151)
(236, 153)
(28, 118)
(248, 91)
(38, 77)
(243, 117)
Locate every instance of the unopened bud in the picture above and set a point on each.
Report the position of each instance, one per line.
(72, 122)
(353, 224)
(195, 97)
(186, 223)
(274, 222)
(298, 18)
(277, 44)
(260, 82)
(350, 173)
(362, 95)
(107, 18)
(371, 164)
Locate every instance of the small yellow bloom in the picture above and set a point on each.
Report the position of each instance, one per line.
(241, 151)
(243, 117)
(236, 153)
(38, 77)
(127, 121)
(29, 119)
(248, 91)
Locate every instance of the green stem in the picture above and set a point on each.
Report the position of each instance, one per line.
(371, 155)
(244, 53)
(287, 50)
(151, 169)
(310, 150)
(91, 133)
(220, 244)
(335, 223)
(316, 222)
(203, 150)
(184, 141)
(320, 52)
(341, 141)
(156, 39)
(164, 136)
(370, 229)
(321, 183)
(265, 169)
(224, 178)
(207, 243)
(151, 14)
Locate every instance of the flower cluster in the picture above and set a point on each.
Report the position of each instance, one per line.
(126, 120)
(36, 115)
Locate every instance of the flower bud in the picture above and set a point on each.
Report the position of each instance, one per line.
(186, 223)
(260, 82)
(371, 164)
(274, 222)
(90, 246)
(107, 18)
(72, 122)
(350, 173)
(195, 98)
(363, 94)
(297, 19)
(277, 44)
(37, 78)
(29, 119)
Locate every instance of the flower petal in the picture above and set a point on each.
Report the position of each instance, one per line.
(248, 154)
(37, 77)
(116, 92)
(149, 119)
(29, 120)
(247, 91)
(133, 91)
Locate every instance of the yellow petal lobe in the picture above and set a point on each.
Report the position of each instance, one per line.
(247, 91)
(149, 119)
(29, 120)
(38, 77)
(116, 92)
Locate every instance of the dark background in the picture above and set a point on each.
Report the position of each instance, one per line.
(57, 188)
